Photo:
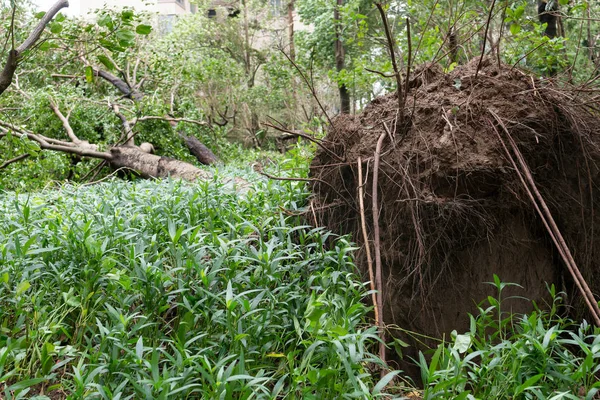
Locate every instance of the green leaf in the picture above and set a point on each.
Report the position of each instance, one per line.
(40, 15)
(60, 17)
(384, 381)
(515, 28)
(139, 348)
(143, 29)
(22, 287)
(56, 27)
(106, 62)
(25, 384)
(519, 12)
(89, 74)
(127, 15)
(106, 21)
(125, 37)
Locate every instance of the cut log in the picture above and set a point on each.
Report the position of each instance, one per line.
(202, 153)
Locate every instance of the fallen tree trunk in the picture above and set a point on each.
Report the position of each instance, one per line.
(202, 153)
(153, 166)
(135, 158)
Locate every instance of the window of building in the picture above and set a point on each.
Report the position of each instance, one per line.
(166, 23)
(193, 8)
(275, 7)
(212, 13)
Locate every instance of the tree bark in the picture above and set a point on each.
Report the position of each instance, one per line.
(290, 10)
(340, 59)
(129, 92)
(152, 166)
(10, 67)
(546, 16)
(199, 150)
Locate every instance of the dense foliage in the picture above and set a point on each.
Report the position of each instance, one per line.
(169, 290)
(130, 289)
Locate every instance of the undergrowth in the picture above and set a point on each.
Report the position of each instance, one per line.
(542, 355)
(165, 290)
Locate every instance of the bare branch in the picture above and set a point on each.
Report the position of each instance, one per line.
(392, 51)
(305, 136)
(13, 55)
(128, 132)
(169, 119)
(47, 143)
(37, 31)
(13, 160)
(65, 122)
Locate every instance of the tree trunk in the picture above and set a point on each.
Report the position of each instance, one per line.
(546, 16)
(200, 151)
(340, 59)
(152, 166)
(290, 16)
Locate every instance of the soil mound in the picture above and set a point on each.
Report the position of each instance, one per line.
(452, 209)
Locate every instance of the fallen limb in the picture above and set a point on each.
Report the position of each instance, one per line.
(8, 72)
(13, 160)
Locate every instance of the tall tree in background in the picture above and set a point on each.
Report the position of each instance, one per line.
(547, 10)
(340, 58)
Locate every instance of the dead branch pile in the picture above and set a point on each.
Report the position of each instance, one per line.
(452, 208)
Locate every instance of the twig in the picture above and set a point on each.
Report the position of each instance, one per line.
(363, 224)
(409, 65)
(527, 54)
(305, 136)
(280, 178)
(106, 177)
(392, 50)
(487, 28)
(311, 87)
(377, 244)
(14, 160)
(169, 119)
(383, 74)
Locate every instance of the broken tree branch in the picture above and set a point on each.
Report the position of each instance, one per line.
(65, 122)
(56, 145)
(10, 66)
(14, 160)
(377, 244)
(392, 51)
(129, 139)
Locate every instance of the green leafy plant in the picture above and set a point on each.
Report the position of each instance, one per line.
(537, 356)
(173, 290)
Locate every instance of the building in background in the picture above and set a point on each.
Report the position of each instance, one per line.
(162, 7)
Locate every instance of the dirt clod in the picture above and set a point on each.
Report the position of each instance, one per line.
(453, 211)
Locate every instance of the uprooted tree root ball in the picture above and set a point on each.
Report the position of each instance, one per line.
(452, 209)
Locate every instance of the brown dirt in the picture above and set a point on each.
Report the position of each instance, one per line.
(453, 211)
